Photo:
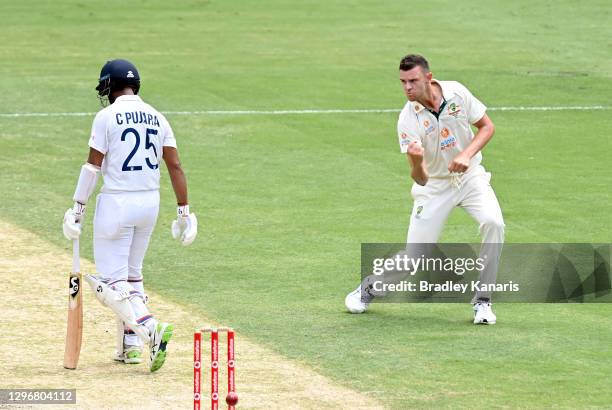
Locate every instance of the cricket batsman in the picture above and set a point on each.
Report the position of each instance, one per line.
(435, 132)
(129, 138)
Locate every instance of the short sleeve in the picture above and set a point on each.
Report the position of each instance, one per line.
(406, 133)
(98, 139)
(169, 140)
(474, 108)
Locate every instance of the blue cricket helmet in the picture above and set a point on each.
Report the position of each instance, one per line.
(117, 75)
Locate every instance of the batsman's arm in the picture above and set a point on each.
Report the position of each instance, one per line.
(86, 184)
(177, 176)
(88, 179)
(95, 157)
(185, 227)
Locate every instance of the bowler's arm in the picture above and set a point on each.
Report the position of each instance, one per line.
(417, 163)
(485, 132)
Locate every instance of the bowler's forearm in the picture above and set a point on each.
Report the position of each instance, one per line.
(485, 132)
(481, 139)
(419, 174)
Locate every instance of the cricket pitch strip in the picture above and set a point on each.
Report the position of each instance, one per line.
(33, 273)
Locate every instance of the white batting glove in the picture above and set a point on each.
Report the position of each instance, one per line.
(72, 221)
(185, 228)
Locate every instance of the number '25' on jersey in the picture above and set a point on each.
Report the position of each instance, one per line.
(131, 134)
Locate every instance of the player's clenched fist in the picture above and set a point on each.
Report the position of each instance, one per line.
(415, 149)
(185, 227)
(460, 163)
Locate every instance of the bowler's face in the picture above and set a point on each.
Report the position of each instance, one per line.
(414, 82)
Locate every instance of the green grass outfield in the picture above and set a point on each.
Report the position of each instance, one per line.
(284, 202)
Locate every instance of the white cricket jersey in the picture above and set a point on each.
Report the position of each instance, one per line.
(131, 134)
(443, 138)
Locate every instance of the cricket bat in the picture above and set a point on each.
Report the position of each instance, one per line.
(74, 332)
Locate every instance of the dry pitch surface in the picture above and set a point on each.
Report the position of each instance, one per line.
(34, 295)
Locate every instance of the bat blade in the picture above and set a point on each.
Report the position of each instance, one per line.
(74, 331)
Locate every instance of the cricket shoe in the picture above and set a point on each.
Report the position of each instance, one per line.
(130, 355)
(483, 315)
(356, 301)
(159, 339)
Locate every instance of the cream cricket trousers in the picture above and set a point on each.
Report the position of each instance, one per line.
(434, 202)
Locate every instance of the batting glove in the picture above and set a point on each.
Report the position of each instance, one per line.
(72, 221)
(185, 228)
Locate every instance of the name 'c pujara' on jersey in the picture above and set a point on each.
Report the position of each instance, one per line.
(136, 117)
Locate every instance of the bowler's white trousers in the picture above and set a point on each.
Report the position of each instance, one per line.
(471, 191)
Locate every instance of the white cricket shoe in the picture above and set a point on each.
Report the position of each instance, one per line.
(355, 303)
(483, 315)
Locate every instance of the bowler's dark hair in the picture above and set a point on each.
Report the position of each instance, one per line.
(413, 60)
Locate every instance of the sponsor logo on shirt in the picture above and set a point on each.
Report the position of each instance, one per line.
(448, 143)
(445, 132)
(403, 135)
(429, 127)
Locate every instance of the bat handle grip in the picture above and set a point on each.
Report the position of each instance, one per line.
(76, 265)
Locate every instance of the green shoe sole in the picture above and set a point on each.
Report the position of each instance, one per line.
(159, 360)
(133, 358)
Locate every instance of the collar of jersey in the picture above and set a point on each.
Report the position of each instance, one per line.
(446, 94)
(127, 98)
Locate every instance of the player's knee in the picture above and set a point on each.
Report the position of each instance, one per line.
(130, 290)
